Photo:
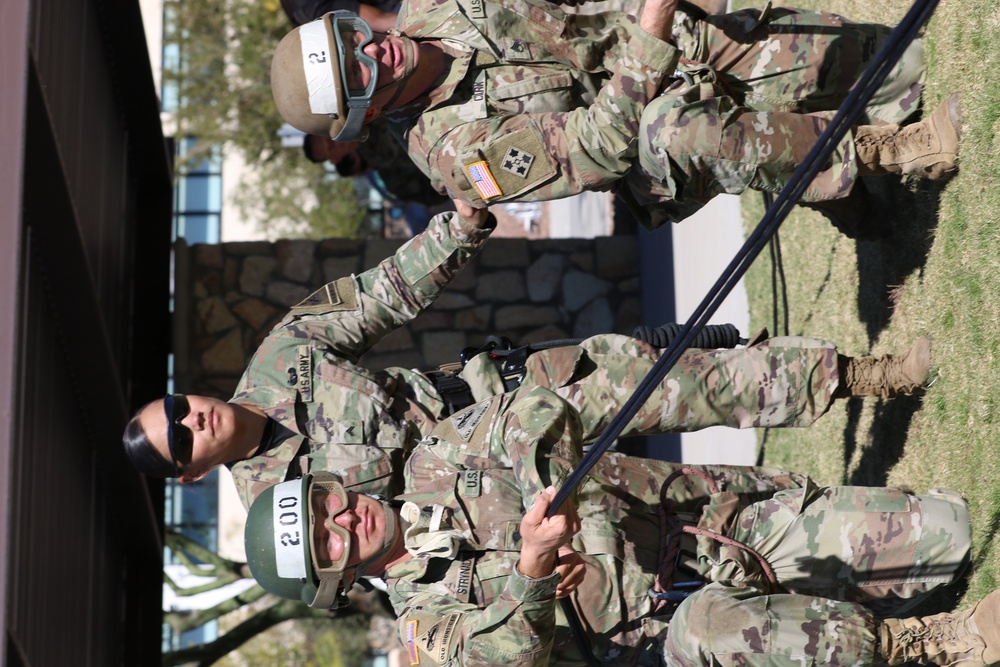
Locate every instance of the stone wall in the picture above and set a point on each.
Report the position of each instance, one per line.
(229, 296)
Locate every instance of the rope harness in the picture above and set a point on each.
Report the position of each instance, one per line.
(663, 592)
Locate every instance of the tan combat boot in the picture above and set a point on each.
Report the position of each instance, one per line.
(969, 639)
(928, 148)
(885, 376)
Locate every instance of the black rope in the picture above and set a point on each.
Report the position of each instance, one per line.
(870, 80)
(778, 283)
(712, 337)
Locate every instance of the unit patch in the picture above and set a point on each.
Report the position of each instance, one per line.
(482, 180)
(338, 295)
(466, 422)
(437, 641)
(518, 161)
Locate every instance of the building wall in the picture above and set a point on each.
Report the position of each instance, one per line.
(230, 295)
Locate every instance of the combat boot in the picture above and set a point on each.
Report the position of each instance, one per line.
(928, 148)
(885, 376)
(968, 639)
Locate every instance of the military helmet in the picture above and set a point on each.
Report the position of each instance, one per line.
(309, 76)
(278, 540)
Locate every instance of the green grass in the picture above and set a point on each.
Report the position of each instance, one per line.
(937, 273)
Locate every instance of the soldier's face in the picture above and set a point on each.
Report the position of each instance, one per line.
(363, 519)
(212, 423)
(398, 58)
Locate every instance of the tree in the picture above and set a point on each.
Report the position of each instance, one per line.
(223, 572)
(216, 83)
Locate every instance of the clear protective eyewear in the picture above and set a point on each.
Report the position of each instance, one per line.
(353, 34)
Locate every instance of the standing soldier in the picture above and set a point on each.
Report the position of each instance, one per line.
(517, 101)
(305, 404)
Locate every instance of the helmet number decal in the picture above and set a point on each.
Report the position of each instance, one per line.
(323, 92)
(289, 522)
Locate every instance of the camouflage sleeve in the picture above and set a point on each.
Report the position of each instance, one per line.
(350, 315)
(517, 629)
(588, 148)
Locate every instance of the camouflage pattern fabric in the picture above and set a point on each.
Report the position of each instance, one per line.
(461, 600)
(555, 104)
(305, 374)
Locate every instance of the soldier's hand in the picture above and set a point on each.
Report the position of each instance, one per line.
(571, 569)
(474, 216)
(541, 537)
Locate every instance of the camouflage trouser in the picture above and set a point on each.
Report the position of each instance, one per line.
(784, 381)
(762, 90)
(833, 550)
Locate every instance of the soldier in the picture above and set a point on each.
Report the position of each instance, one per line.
(503, 100)
(716, 566)
(305, 404)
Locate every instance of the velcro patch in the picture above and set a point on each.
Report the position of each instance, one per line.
(466, 422)
(516, 162)
(437, 641)
(338, 295)
(481, 178)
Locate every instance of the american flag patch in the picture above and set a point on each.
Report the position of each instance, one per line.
(411, 642)
(482, 179)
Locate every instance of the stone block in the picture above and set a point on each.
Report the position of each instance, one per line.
(248, 248)
(208, 255)
(400, 339)
(295, 259)
(629, 315)
(520, 316)
(225, 356)
(255, 313)
(548, 332)
(255, 274)
(379, 249)
(475, 319)
(581, 288)
(285, 293)
(339, 267)
(341, 247)
(214, 315)
(500, 286)
(440, 347)
(432, 319)
(617, 257)
(453, 301)
(505, 254)
(596, 317)
(544, 276)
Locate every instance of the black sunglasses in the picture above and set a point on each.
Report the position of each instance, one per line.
(180, 439)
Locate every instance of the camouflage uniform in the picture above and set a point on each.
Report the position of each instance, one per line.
(461, 601)
(360, 424)
(539, 105)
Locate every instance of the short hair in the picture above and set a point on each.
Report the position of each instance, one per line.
(309, 149)
(141, 452)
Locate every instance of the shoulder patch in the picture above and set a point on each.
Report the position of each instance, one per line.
(437, 640)
(339, 295)
(515, 163)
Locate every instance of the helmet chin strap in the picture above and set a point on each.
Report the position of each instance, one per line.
(409, 66)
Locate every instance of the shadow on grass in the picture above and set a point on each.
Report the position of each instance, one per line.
(910, 212)
(888, 435)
